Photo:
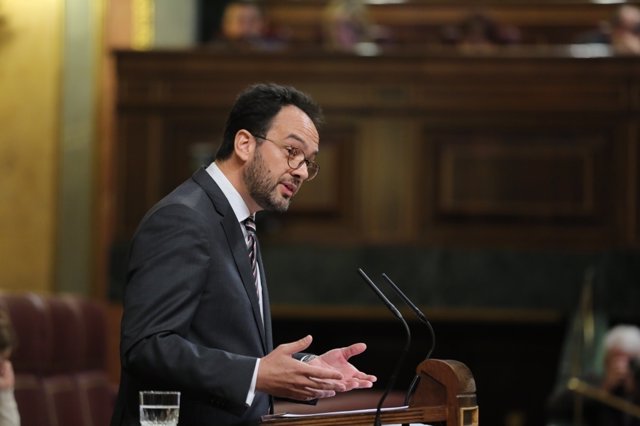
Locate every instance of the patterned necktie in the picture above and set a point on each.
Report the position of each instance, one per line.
(252, 245)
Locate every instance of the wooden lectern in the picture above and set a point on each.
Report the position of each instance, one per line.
(445, 395)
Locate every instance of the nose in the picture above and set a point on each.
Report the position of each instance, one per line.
(302, 172)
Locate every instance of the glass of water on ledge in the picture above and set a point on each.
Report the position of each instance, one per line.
(159, 408)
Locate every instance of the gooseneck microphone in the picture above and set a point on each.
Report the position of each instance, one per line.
(397, 314)
(423, 319)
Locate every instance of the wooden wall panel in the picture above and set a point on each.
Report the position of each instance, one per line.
(156, 152)
(529, 180)
(131, 163)
(520, 173)
(526, 183)
(520, 148)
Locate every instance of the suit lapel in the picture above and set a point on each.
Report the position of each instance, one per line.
(238, 248)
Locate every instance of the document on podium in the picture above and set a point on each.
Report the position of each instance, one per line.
(339, 413)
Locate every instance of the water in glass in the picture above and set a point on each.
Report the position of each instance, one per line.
(159, 415)
(159, 408)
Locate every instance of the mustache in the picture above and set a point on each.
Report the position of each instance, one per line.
(295, 181)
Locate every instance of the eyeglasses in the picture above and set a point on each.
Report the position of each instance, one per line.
(296, 158)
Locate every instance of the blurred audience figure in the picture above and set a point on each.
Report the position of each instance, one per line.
(9, 415)
(625, 30)
(347, 26)
(242, 20)
(620, 378)
(478, 31)
(621, 32)
(244, 24)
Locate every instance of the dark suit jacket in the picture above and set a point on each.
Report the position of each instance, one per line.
(191, 318)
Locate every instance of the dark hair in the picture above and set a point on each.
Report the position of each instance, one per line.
(7, 335)
(256, 107)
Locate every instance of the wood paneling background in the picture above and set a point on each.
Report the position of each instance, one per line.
(476, 181)
(525, 150)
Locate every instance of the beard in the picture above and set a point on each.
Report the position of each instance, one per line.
(262, 187)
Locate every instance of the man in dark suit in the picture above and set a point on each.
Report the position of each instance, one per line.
(196, 318)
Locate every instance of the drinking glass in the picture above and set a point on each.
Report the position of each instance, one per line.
(159, 408)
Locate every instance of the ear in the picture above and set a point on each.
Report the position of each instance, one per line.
(244, 144)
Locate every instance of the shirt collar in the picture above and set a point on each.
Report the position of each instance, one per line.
(233, 196)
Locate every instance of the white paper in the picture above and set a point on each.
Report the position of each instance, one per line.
(338, 413)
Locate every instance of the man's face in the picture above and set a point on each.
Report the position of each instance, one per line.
(242, 22)
(618, 359)
(270, 181)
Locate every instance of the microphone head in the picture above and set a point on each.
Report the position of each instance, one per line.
(380, 294)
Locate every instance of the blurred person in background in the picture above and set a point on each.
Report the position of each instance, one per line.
(244, 25)
(9, 415)
(242, 20)
(621, 32)
(625, 30)
(478, 31)
(619, 379)
(347, 25)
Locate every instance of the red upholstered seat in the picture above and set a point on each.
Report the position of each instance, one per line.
(31, 400)
(68, 336)
(30, 318)
(32, 357)
(60, 361)
(63, 401)
(98, 395)
(94, 320)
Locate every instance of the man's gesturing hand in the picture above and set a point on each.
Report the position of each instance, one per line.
(279, 374)
(338, 360)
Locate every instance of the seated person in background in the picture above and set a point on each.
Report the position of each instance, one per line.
(242, 20)
(9, 415)
(347, 25)
(625, 30)
(478, 31)
(621, 32)
(244, 24)
(619, 378)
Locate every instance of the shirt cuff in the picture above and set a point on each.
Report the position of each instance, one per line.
(252, 388)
